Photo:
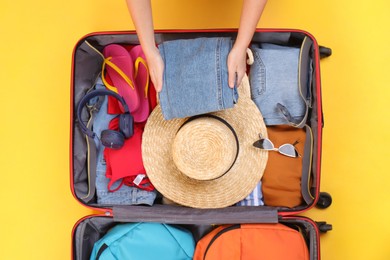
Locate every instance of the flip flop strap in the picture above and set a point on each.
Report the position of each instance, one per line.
(121, 73)
(136, 65)
(117, 70)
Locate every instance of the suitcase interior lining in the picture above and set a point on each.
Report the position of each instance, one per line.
(92, 229)
(87, 66)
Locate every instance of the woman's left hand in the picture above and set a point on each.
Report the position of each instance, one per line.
(236, 64)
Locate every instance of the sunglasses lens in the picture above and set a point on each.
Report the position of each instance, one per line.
(288, 150)
(264, 144)
(267, 144)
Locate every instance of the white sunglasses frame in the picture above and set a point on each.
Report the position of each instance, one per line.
(277, 149)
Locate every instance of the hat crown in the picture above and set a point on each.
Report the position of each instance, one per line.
(205, 148)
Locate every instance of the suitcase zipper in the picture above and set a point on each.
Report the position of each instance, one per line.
(220, 233)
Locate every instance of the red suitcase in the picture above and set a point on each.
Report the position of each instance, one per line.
(86, 65)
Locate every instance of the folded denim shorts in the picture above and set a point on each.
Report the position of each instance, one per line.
(195, 77)
(274, 80)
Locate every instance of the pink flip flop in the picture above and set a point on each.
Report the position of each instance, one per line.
(120, 68)
(141, 80)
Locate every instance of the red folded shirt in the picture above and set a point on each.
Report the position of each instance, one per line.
(126, 164)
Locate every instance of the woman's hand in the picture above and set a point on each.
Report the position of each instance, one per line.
(250, 15)
(156, 68)
(236, 64)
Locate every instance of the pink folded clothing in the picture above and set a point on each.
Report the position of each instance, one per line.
(114, 107)
(141, 79)
(120, 68)
(125, 165)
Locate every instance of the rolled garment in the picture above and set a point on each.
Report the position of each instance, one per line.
(195, 77)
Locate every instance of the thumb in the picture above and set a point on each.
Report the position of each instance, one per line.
(232, 78)
(157, 81)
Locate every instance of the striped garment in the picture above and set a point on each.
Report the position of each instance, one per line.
(255, 198)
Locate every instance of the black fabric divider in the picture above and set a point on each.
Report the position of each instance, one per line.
(182, 215)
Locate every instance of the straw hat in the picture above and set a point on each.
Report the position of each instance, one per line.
(206, 161)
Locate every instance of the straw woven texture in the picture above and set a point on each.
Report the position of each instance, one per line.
(159, 144)
(204, 149)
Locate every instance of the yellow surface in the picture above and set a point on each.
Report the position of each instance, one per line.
(36, 42)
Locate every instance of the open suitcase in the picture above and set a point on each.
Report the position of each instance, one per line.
(86, 67)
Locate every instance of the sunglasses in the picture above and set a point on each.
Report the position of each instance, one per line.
(285, 149)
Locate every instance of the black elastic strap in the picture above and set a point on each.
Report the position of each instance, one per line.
(92, 169)
(101, 250)
(306, 167)
(91, 158)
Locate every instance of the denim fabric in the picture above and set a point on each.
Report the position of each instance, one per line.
(125, 195)
(255, 198)
(195, 77)
(273, 80)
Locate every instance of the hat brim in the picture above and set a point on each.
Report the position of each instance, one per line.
(233, 186)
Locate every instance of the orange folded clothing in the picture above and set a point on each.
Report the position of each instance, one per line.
(252, 241)
(281, 182)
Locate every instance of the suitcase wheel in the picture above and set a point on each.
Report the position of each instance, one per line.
(325, 52)
(324, 227)
(324, 200)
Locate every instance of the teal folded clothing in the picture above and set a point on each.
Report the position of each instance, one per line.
(148, 241)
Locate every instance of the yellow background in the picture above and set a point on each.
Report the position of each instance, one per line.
(36, 42)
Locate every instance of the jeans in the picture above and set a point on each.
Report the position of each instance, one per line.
(125, 195)
(195, 77)
(274, 79)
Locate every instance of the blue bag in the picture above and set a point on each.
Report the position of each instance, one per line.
(145, 241)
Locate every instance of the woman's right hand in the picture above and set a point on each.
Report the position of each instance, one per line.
(156, 68)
